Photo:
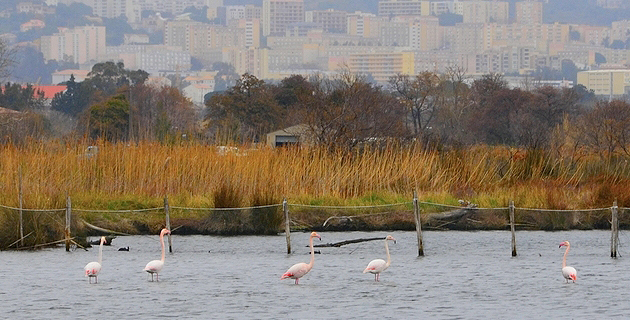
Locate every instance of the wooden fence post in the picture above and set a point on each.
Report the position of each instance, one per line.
(287, 224)
(614, 228)
(168, 223)
(416, 215)
(20, 197)
(68, 221)
(512, 228)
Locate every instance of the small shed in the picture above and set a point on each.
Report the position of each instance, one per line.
(294, 135)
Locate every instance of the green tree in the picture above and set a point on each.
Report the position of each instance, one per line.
(109, 120)
(21, 98)
(248, 108)
(75, 99)
(108, 77)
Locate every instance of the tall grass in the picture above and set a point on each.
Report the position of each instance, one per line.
(137, 176)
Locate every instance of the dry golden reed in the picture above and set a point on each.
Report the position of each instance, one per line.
(122, 176)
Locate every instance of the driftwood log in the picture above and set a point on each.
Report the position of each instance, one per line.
(345, 242)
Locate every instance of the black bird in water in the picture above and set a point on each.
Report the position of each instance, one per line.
(123, 249)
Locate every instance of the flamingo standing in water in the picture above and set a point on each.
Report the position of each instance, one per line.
(568, 273)
(298, 270)
(155, 266)
(93, 268)
(377, 266)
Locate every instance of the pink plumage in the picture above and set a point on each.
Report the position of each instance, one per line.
(298, 270)
(377, 266)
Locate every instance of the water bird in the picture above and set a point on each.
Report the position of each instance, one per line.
(155, 266)
(377, 266)
(123, 249)
(568, 273)
(298, 270)
(93, 268)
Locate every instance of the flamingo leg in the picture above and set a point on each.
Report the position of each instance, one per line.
(297, 280)
(95, 279)
(157, 277)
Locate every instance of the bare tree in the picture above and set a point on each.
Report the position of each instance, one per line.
(7, 55)
(419, 95)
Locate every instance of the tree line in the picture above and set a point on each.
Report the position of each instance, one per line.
(437, 111)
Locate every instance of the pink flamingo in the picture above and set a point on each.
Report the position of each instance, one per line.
(377, 266)
(568, 273)
(298, 270)
(155, 266)
(93, 268)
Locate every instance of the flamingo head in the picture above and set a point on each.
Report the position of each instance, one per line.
(165, 231)
(315, 235)
(389, 237)
(564, 243)
(103, 240)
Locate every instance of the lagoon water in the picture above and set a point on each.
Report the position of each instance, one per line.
(464, 275)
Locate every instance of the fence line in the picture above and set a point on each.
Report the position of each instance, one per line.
(417, 211)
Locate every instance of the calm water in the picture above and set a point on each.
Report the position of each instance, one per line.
(465, 275)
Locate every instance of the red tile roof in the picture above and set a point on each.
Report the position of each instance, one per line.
(50, 91)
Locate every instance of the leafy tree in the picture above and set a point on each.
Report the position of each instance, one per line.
(109, 120)
(247, 111)
(346, 111)
(75, 99)
(225, 77)
(116, 29)
(21, 98)
(109, 76)
(599, 58)
(450, 19)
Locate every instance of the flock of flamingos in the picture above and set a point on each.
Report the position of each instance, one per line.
(298, 270)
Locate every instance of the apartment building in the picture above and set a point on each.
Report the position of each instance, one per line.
(116, 8)
(425, 33)
(541, 36)
(252, 30)
(225, 14)
(395, 33)
(382, 66)
(529, 12)
(464, 37)
(278, 14)
(404, 8)
(151, 58)
(594, 35)
(364, 24)
(330, 20)
(440, 61)
(485, 11)
(606, 82)
(620, 30)
(79, 45)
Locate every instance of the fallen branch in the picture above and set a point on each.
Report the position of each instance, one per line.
(343, 243)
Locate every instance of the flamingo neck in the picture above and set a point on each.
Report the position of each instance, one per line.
(310, 243)
(389, 258)
(564, 259)
(162, 241)
(100, 252)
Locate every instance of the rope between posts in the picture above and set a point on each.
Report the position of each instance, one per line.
(460, 207)
(35, 210)
(227, 209)
(350, 207)
(552, 210)
(118, 211)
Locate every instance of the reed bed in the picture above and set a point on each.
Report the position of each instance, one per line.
(136, 176)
